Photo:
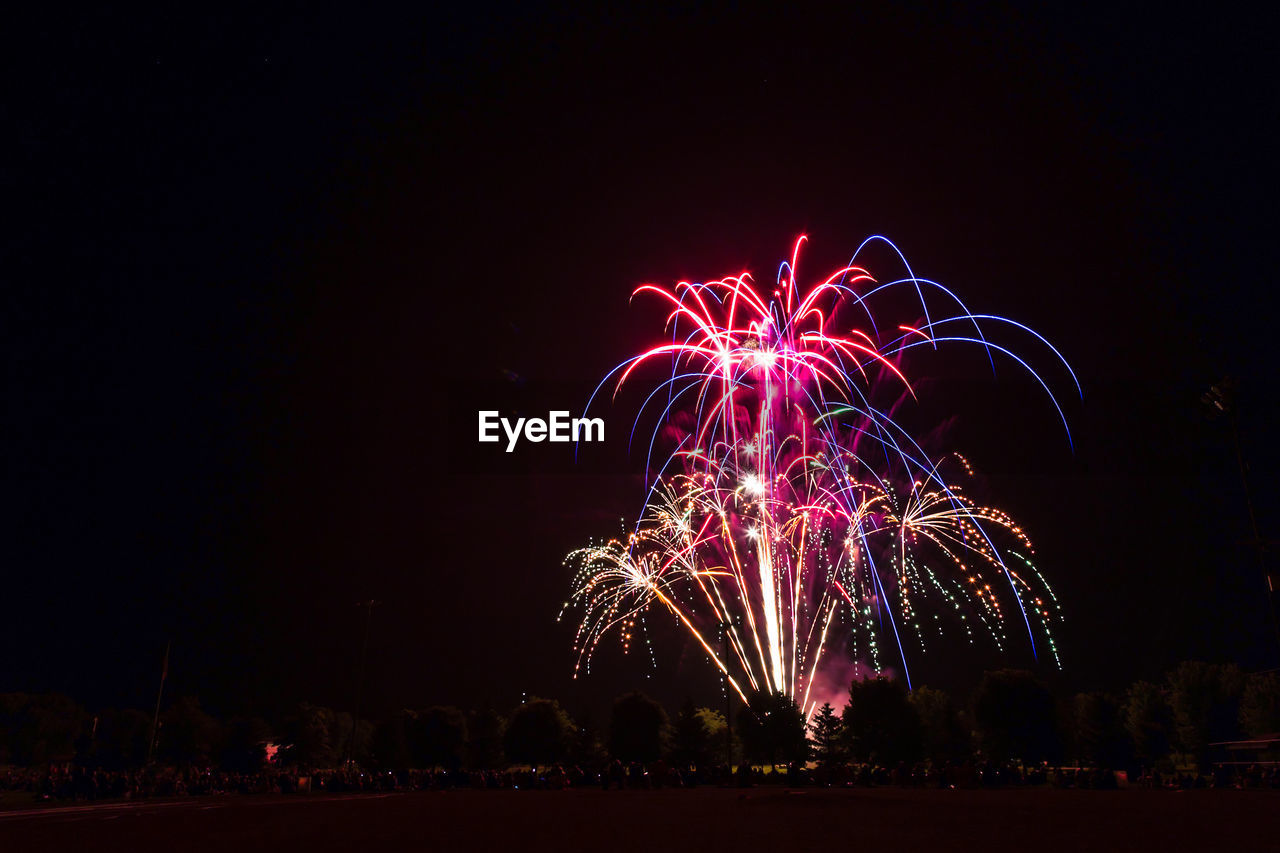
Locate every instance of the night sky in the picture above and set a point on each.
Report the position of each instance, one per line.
(260, 273)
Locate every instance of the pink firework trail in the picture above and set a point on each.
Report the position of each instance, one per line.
(794, 518)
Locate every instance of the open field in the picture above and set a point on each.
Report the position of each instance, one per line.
(705, 819)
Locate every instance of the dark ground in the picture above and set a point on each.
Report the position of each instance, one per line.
(707, 819)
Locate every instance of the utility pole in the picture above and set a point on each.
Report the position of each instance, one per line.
(364, 653)
(155, 718)
(1220, 400)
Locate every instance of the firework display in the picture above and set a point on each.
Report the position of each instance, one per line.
(795, 527)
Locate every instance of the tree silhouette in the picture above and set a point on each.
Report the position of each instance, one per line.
(120, 740)
(1260, 705)
(772, 730)
(1098, 730)
(189, 735)
(718, 728)
(390, 745)
(943, 735)
(880, 723)
(244, 748)
(1148, 720)
(438, 738)
(38, 728)
(342, 730)
(539, 732)
(1206, 705)
(691, 739)
(828, 740)
(585, 748)
(1015, 717)
(485, 728)
(637, 728)
(308, 732)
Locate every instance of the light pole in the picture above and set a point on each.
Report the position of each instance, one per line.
(155, 719)
(1220, 400)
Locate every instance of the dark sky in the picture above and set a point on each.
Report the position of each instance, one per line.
(260, 272)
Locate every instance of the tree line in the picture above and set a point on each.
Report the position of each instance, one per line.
(1010, 717)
